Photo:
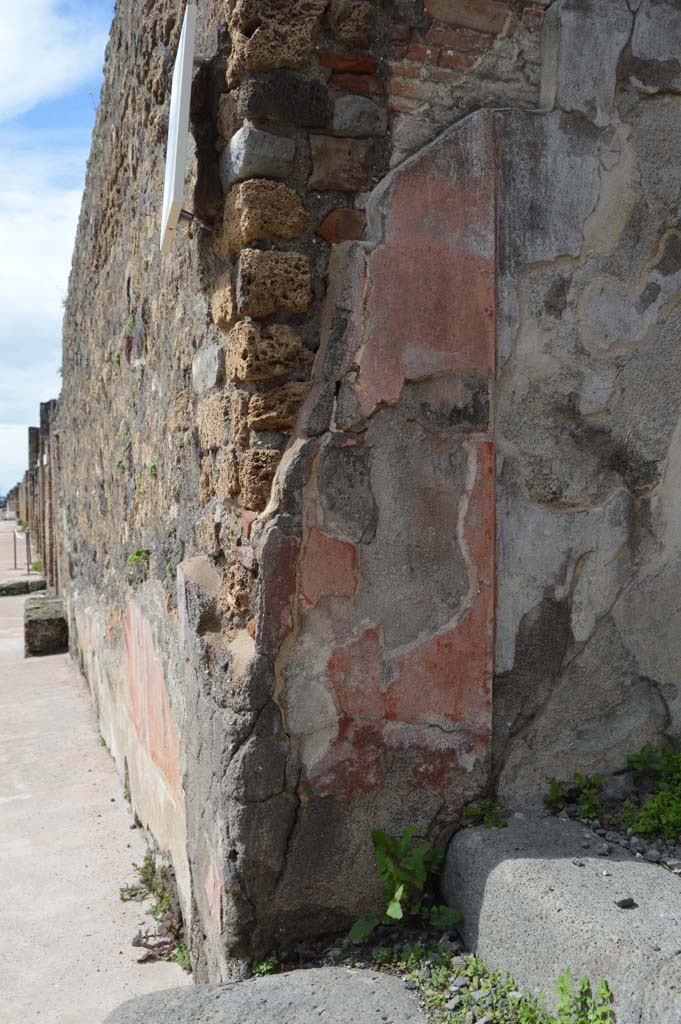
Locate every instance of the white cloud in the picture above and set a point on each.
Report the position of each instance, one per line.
(13, 455)
(46, 49)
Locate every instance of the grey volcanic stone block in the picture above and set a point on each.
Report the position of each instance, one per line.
(287, 98)
(14, 588)
(537, 899)
(252, 153)
(358, 116)
(208, 368)
(345, 996)
(45, 627)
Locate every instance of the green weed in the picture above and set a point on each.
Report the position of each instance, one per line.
(140, 555)
(405, 869)
(266, 966)
(484, 812)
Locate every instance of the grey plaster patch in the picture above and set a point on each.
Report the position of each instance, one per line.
(592, 716)
(420, 484)
(531, 911)
(571, 78)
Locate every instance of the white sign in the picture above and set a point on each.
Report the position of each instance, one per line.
(178, 131)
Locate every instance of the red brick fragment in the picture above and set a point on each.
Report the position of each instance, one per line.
(342, 226)
(359, 63)
(425, 54)
(482, 15)
(362, 85)
(460, 39)
(450, 59)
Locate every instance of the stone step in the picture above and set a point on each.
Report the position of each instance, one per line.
(45, 627)
(15, 588)
(537, 899)
(330, 995)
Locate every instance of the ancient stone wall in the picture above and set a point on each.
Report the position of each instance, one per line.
(392, 400)
(33, 499)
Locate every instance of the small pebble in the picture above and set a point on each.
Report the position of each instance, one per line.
(627, 903)
(410, 985)
(652, 855)
(454, 1003)
(485, 1020)
(577, 862)
(599, 831)
(603, 850)
(606, 874)
(460, 982)
(612, 837)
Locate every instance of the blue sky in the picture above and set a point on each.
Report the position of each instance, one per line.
(51, 56)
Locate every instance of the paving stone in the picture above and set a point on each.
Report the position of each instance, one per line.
(45, 627)
(252, 153)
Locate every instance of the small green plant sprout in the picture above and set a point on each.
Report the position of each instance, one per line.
(153, 467)
(405, 869)
(37, 566)
(556, 798)
(181, 956)
(581, 1006)
(585, 792)
(117, 359)
(170, 571)
(484, 812)
(266, 966)
(131, 322)
(120, 466)
(139, 555)
(660, 812)
(589, 799)
(140, 374)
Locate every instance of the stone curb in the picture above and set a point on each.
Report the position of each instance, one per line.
(15, 588)
(537, 899)
(331, 995)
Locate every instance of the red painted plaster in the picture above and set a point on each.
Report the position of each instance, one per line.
(432, 281)
(148, 702)
(327, 567)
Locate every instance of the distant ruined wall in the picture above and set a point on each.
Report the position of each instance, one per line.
(408, 397)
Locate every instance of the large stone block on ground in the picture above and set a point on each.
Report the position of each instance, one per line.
(14, 588)
(335, 995)
(537, 899)
(45, 628)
